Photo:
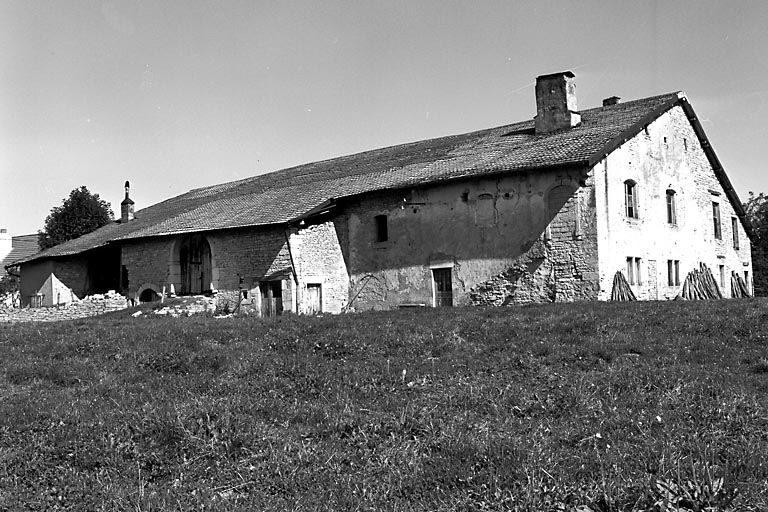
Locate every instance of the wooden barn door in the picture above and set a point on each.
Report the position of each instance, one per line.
(271, 298)
(443, 287)
(195, 262)
(314, 299)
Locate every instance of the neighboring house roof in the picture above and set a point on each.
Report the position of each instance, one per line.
(287, 195)
(22, 246)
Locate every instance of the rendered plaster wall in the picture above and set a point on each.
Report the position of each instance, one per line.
(667, 155)
(491, 233)
(318, 259)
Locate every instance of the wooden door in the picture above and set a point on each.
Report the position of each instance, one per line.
(443, 287)
(195, 262)
(271, 298)
(314, 299)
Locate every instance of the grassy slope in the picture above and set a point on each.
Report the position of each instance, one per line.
(461, 409)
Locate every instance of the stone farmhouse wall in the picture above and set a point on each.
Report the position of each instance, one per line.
(666, 155)
(318, 259)
(240, 259)
(511, 239)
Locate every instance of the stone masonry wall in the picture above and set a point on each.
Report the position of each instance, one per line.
(147, 262)
(318, 259)
(560, 266)
(90, 306)
(240, 259)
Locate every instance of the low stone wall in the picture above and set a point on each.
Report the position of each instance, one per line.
(90, 306)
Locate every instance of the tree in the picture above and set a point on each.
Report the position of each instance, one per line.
(757, 213)
(9, 284)
(80, 213)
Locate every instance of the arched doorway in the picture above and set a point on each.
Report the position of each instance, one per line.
(195, 264)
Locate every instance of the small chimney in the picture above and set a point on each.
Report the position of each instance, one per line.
(126, 207)
(556, 103)
(613, 100)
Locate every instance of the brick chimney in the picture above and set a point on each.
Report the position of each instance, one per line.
(556, 103)
(126, 207)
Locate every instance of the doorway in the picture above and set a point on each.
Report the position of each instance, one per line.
(314, 299)
(443, 287)
(195, 265)
(271, 298)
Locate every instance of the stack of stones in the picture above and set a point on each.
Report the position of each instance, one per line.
(188, 306)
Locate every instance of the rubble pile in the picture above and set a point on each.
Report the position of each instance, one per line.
(188, 306)
(9, 300)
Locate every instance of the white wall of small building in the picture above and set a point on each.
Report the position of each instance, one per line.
(666, 155)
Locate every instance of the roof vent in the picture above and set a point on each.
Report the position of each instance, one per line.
(556, 103)
(126, 207)
(613, 100)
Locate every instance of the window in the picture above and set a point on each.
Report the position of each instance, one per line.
(735, 229)
(630, 198)
(673, 272)
(671, 208)
(382, 233)
(722, 276)
(633, 270)
(716, 220)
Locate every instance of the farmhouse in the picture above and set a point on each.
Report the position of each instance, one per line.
(547, 209)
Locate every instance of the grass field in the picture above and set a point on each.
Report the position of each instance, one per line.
(603, 406)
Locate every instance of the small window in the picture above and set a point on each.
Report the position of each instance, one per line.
(671, 208)
(722, 276)
(716, 220)
(673, 272)
(630, 199)
(382, 233)
(735, 229)
(633, 270)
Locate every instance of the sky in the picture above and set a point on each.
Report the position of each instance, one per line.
(176, 95)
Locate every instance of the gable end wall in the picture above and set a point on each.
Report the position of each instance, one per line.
(680, 164)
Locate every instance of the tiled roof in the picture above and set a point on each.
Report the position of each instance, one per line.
(286, 195)
(22, 246)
